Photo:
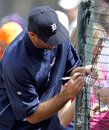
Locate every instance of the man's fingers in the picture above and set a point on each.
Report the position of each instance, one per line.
(76, 75)
(78, 82)
(84, 70)
(76, 70)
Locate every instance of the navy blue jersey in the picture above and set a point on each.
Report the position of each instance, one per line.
(28, 76)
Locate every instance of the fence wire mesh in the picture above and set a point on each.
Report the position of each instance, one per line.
(92, 109)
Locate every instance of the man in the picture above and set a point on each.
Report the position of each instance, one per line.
(31, 70)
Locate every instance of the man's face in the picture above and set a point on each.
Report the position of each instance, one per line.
(39, 43)
(43, 45)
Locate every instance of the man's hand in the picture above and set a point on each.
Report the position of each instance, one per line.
(86, 70)
(83, 70)
(74, 85)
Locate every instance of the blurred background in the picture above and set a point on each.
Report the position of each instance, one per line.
(14, 14)
(23, 7)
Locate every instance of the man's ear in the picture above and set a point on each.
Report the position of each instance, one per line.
(32, 36)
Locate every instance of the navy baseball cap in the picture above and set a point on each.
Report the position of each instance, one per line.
(44, 22)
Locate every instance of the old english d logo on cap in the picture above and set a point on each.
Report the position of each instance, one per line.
(53, 27)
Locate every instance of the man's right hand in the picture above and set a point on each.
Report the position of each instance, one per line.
(74, 85)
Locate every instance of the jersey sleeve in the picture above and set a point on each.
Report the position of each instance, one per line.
(21, 92)
(73, 60)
